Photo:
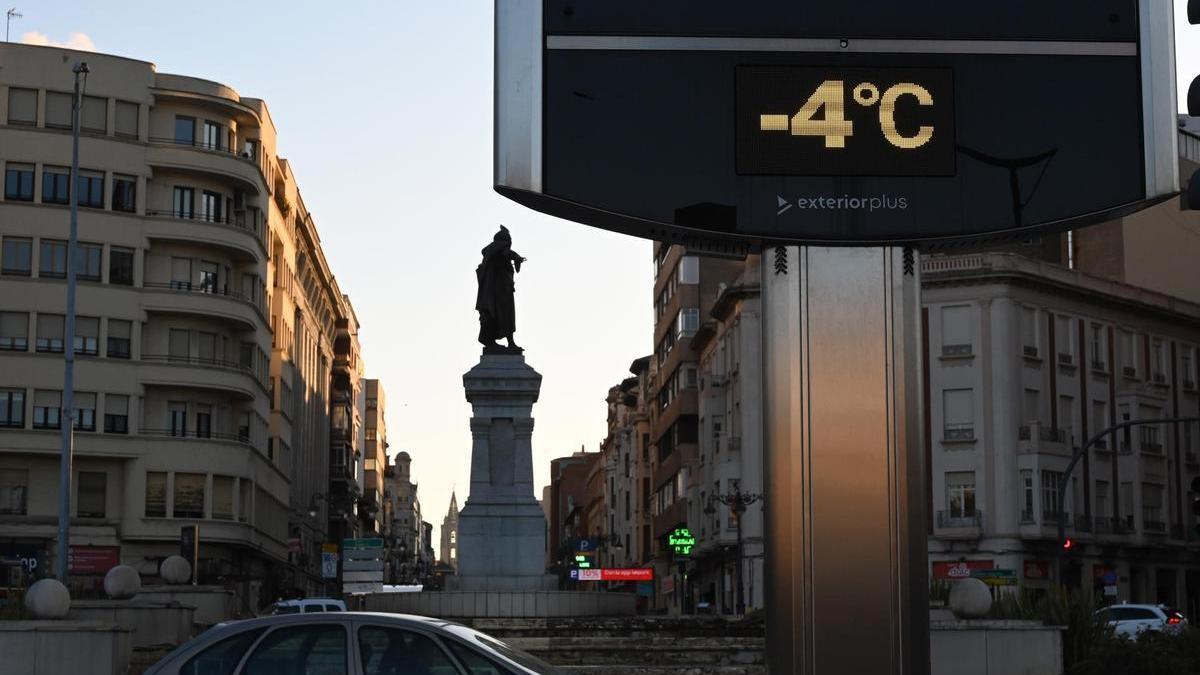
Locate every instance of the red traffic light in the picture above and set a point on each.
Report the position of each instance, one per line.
(1068, 543)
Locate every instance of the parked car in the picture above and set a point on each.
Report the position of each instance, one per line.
(305, 606)
(1130, 620)
(347, 643)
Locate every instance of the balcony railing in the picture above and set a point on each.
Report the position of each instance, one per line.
(1151, 441)
(1027, 516)
(959, 432)
(1158, 378)
(1103, 525)
(956, 351)
(1101, 444)
(1155, 526)
(959, 519)
(210, 147)
(1050, 515)
(1029, 351)
(1129, 371)
(197, 361)
(1066, 359)
(1099, 366)
(200, 434)
(1049, 434)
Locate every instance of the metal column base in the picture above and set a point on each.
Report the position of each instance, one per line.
(845, 526)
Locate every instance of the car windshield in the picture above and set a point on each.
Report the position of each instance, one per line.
(513, 654)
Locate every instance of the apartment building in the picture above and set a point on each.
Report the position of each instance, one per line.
(729, 536)
(377, 505)
(406, 518)
(685, 288)
(1026, 360)
(205, 325)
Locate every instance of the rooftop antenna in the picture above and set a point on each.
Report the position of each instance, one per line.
(9, 16)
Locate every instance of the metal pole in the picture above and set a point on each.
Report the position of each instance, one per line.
(67, 416)
(741, 600)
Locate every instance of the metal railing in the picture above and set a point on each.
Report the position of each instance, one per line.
(958, 432)
(198, 361)
(1151, 442)
(1103, 524)
(200, 288)
(1066, 359)
(1049, 434)
(956, 350)
(1029, 351)
(199, 434)
(959, 519)
(209, 147)
(1099, 366)
(239, 219)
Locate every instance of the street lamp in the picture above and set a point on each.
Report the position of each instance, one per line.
(737, 501)
(313, 509)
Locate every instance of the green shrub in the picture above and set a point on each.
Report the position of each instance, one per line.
(1151, 654)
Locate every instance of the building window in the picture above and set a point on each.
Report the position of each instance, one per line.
(124, 193)
(118, 346)
(116, 414)
(120, 266)
(1127, 353)
(1187, 367)
(956, 331)
(47, 406)
(12, 408)
(222, 502)
(958, 410)
(156, 494)
(203, 421)
(87, 262)
(14, 331)
(53, 259)
(189, 495)
(14, 486)
(687, 322)
(93, 116)
(250, 149)
(184, 206)
(185, 130)
(1158, 361)
(177, 417)
(181, 273)
(1064, 340)
(58, 109)
(1066, 418)
(1051, 498)
(127, 119)
(22, 106)
(1029, 332)
(1027, 496)
(1152, 507)
(84, 410)
(1099, 347)
(208, 277)
(93, 494)
(1102, 500)
(213, 135)
(87, 335)
(18, 182)
(56, 185)
(49, 333)
(179, 344)
(91, 189)
(210, 206)
(18, 254)
(960, 494)
(689, 270)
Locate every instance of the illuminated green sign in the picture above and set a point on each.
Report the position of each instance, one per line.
(583, 562)
(681, 541)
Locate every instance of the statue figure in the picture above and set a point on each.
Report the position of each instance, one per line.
(494, 301)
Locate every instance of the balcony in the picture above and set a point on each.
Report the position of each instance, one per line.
(957, 351)
(959, 433)
(242, 233)
(959, 524)
(1038, 439)
(1030, 352)
(1103, 525)
(1159, 379)
(1066, 360)
(185, 297)
(1099, 367)
(1129, 372)
(179, 371)
(1150, 441)
(218, 161)
(1152, 522)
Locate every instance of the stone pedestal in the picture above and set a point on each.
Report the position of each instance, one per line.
(502, 529)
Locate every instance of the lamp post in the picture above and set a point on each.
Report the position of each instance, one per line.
(66, 419)
(737, 501)
(403, 557)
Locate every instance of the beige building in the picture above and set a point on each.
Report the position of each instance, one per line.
(374, 510)
(207, 316)
(406, 518)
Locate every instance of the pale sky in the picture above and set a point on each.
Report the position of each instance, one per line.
(384, 113)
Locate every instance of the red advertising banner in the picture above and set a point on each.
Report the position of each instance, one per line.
(633, 574)
(1037, 569)
(960, 569)
(93, 559)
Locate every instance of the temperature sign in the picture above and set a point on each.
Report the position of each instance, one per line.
(804, 121)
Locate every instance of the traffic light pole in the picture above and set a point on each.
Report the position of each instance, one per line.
(1081, 451)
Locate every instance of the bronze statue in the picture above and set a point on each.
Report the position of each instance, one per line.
(494, 301)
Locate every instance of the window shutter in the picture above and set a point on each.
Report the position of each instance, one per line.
(22, 106)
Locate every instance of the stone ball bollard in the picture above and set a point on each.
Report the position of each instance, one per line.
(970, 599)
(175, 570)
(122, 582)
(47, 599)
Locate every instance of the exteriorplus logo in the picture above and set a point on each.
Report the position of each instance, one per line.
(869, 203)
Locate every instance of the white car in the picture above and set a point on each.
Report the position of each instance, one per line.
(306, 606)
(347, 643)
(1130, 620)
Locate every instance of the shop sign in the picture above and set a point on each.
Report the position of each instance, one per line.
(996, 577)
(959, 569)
(681, 541)
(93, 559)
(627, 574)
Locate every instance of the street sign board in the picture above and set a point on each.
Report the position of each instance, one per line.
(681, 541)
(731, 124)
(363, 554)
(368, 542)
(996, 577)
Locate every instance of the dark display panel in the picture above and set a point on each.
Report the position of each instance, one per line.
(1036, 139)
(845, 121)
(1103, 20)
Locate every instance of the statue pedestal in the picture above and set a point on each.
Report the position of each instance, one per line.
(502, 529)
